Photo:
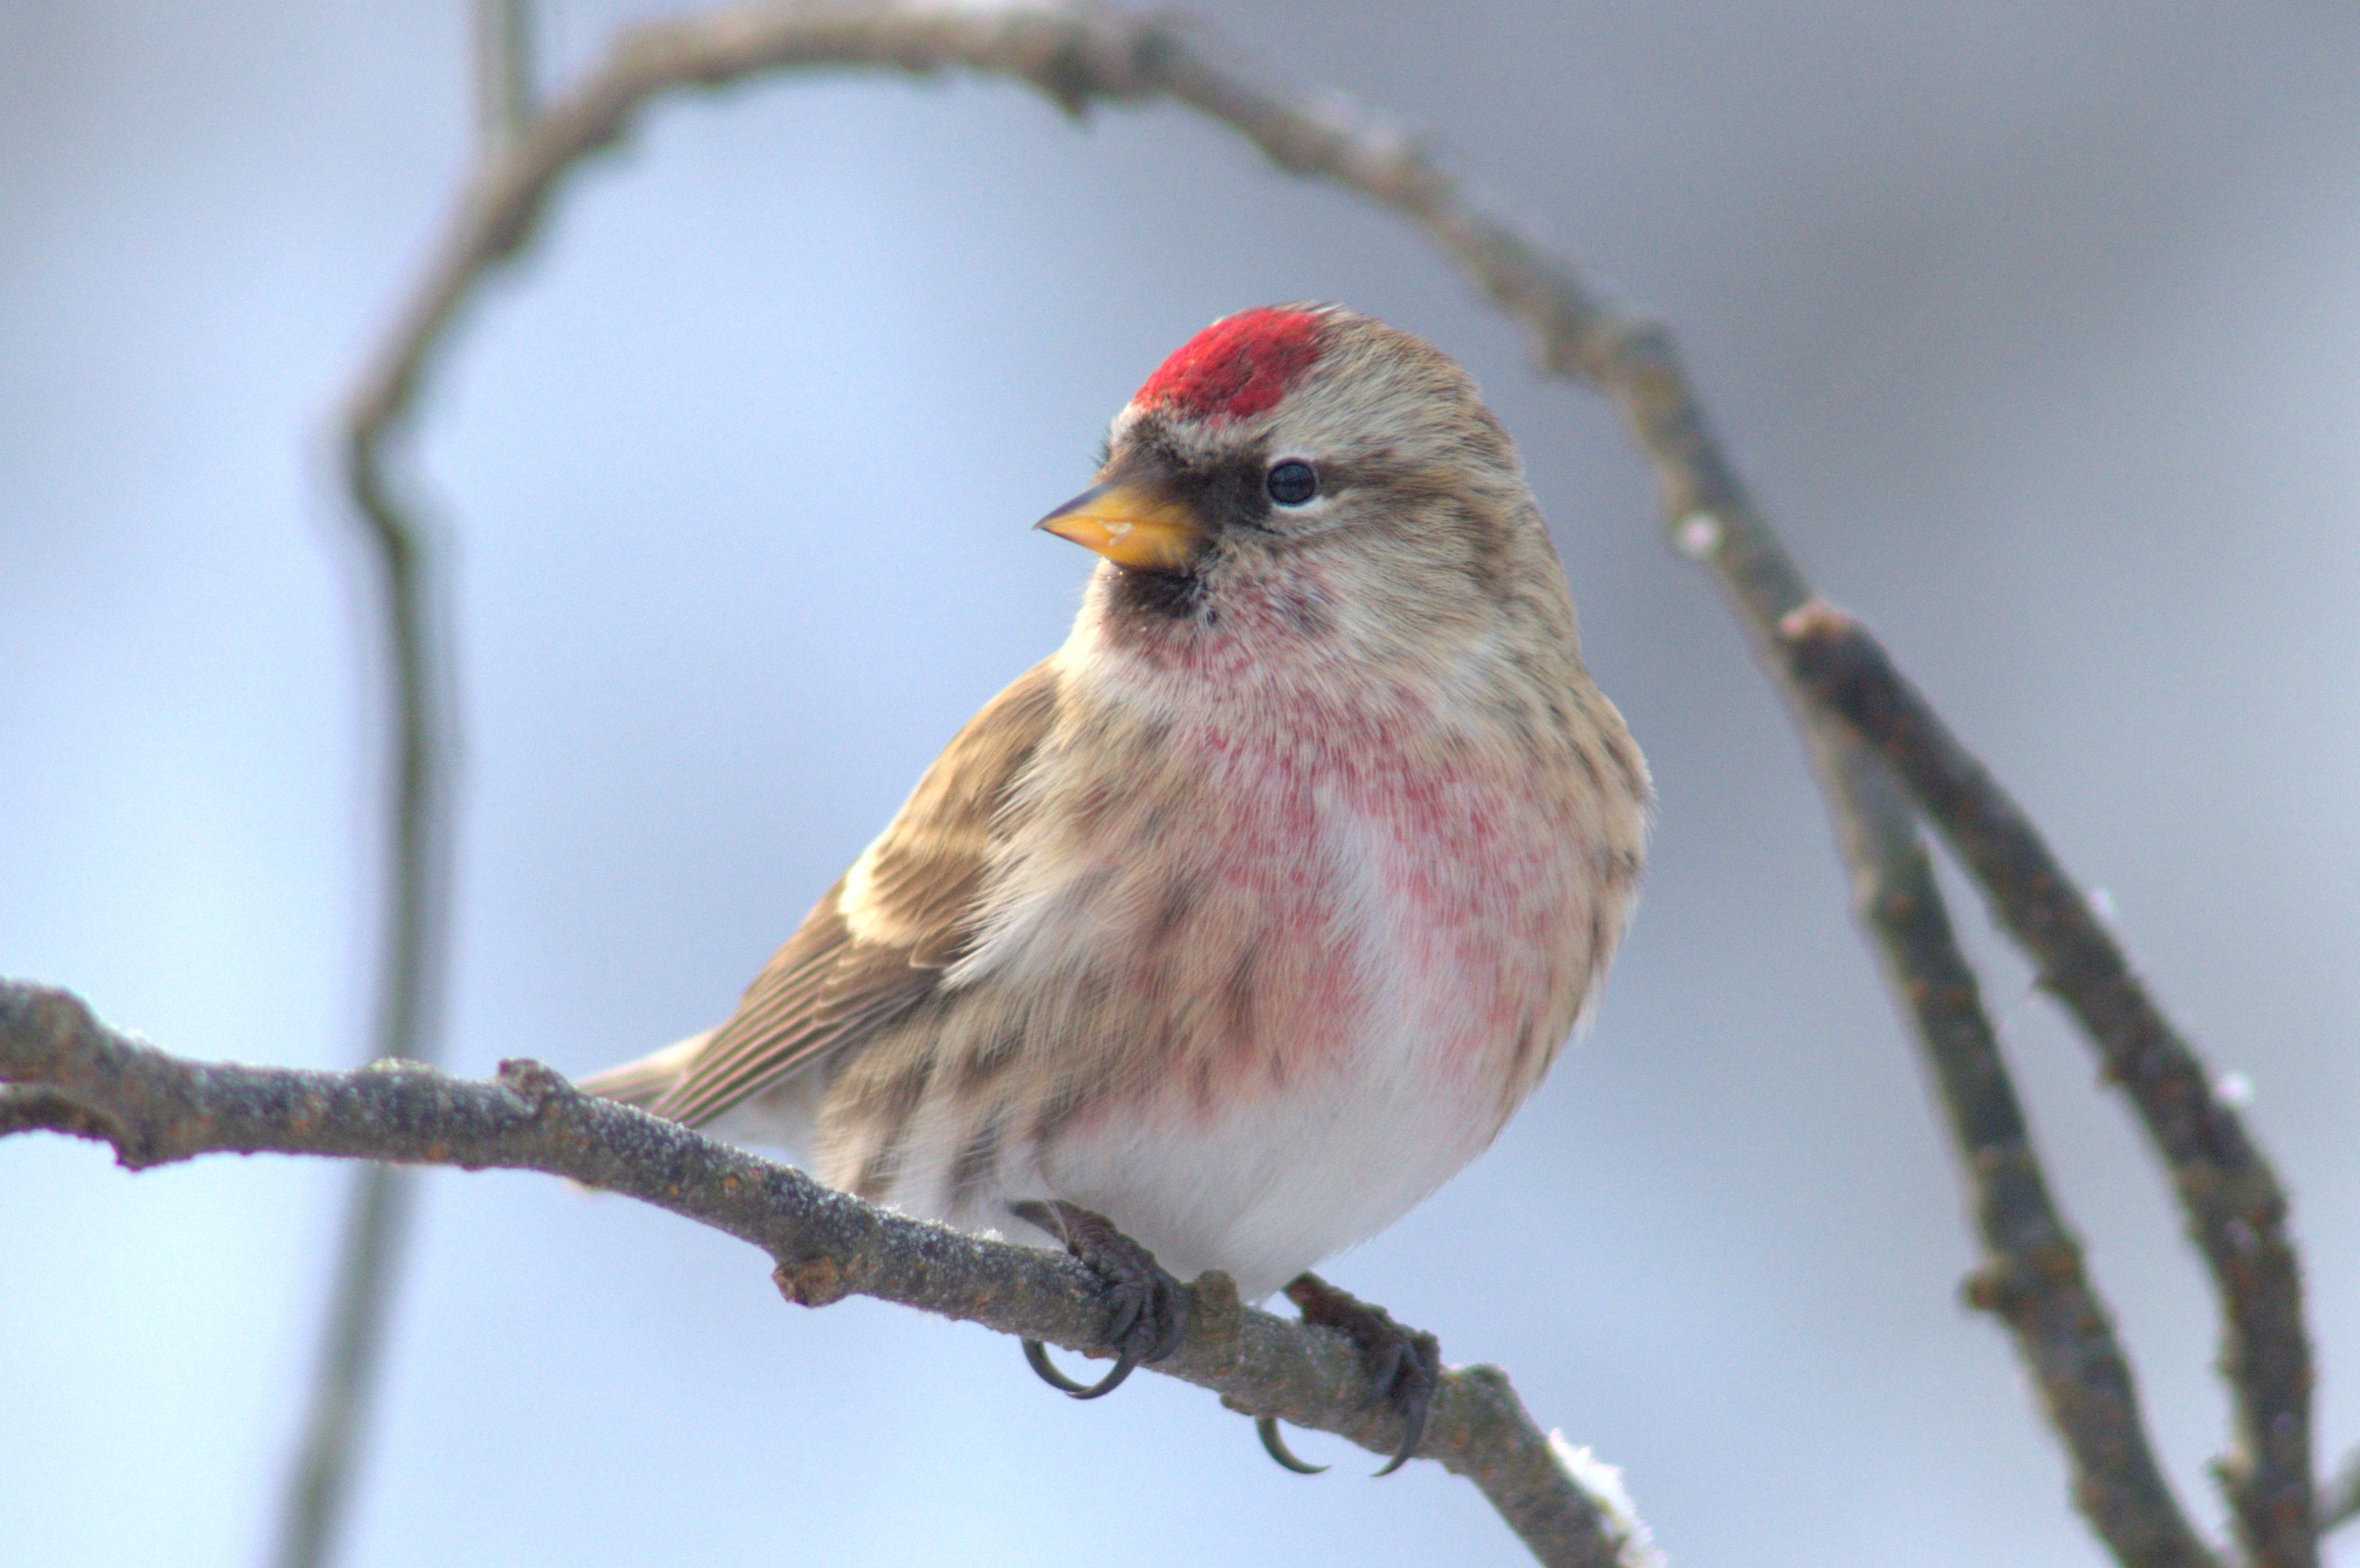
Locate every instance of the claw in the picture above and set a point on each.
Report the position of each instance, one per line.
(1143, 1301)
(1403, 1366)
(1037, 1356)
(1266, 1428)
(1176, 1329)
(1415, 1430)
(1125, 1319)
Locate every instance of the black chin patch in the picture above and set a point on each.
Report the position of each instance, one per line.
(1160, 595)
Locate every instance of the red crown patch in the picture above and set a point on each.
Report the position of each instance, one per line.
(1238, 367)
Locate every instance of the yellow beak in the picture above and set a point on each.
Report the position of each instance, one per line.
(1130, 526)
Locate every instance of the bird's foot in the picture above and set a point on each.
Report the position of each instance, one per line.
(1147, 1308)
(1405, 1366)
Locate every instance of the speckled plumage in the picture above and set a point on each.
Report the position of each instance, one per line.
(1248, 917)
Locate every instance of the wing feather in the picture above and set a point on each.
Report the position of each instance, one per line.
(878, 944)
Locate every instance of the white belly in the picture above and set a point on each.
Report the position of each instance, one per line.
(1278, 1185)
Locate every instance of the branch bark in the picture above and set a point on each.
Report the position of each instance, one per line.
(69, 1074)
(2234, 1208)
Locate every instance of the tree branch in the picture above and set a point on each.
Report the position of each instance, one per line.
(411, 942)
(2032, 1277)
(2234, 1206)
(74, 1075)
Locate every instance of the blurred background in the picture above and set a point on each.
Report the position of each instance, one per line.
(2035, 328)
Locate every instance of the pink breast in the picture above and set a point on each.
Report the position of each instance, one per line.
(1378, 881)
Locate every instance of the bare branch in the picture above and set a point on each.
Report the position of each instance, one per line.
(2234, 1208)
(75, 1075)
(410, 940)
(377, 1223)
(2032, 1276)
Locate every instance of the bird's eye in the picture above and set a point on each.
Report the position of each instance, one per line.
(1290, 482)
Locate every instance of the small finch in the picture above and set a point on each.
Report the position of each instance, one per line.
(1241, 923)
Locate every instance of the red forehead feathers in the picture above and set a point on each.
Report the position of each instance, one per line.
(1236, 368)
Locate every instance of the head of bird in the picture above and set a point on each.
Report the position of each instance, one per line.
(1304, 480)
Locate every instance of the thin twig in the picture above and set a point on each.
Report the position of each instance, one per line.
(2234, 1208)
(153, 1108)
(1080, 55)
(2032, 1276)
(376, 1215)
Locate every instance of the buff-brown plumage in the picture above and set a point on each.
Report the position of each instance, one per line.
(1249, 915)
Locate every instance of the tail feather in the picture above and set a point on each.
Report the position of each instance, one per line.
(648, 1080)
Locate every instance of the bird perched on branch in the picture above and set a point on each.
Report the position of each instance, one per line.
(1243, 922)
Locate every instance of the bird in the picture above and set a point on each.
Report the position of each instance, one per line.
(1232, 930)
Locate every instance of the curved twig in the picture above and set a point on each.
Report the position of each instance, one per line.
(74, 1075)
(377, 1214)
(2236, 1212)
(408, 989)
(2032, 1277)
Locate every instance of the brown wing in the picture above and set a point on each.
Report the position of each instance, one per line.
(877, 944)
